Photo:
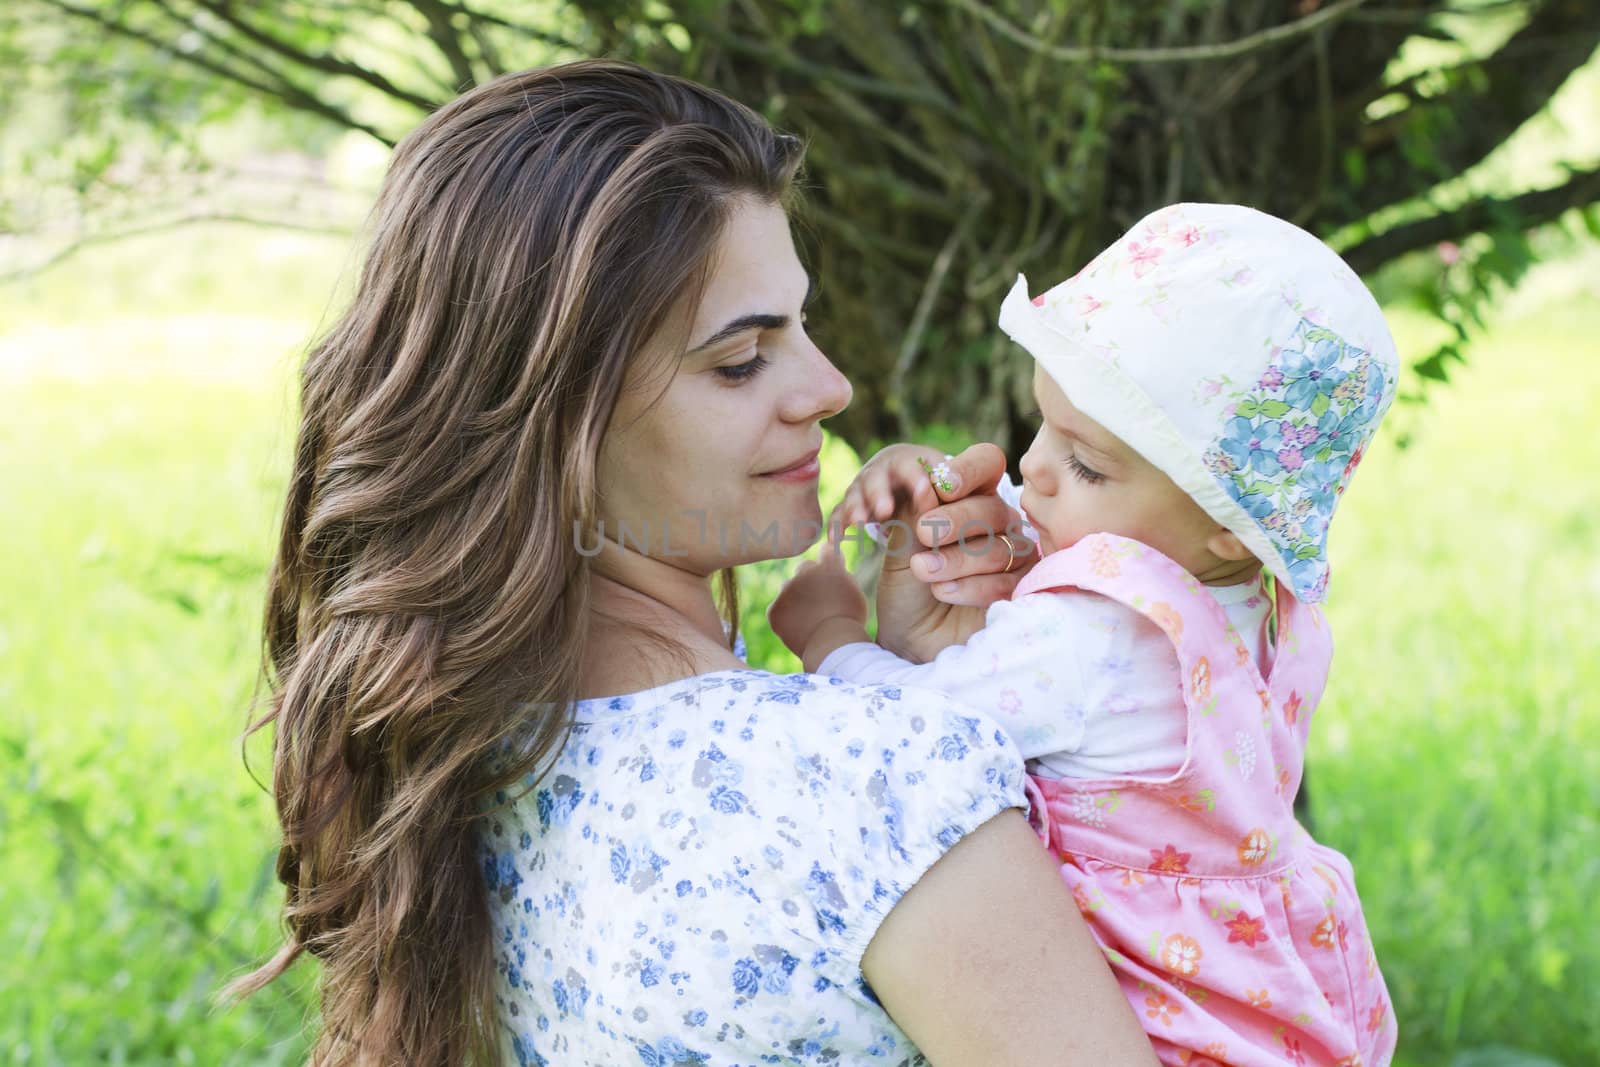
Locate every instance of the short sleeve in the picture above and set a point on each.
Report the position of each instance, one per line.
(895, 777)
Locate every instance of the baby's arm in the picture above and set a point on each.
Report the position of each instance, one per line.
(819, 609)
(1021, 669)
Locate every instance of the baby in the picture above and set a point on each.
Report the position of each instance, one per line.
(1207, 386)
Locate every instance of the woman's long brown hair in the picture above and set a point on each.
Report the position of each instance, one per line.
(427, 597)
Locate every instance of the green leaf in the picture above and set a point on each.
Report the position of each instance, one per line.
(1246, 409)
(1355, 167)
(1319, 406)
(1591, 220)
(1432, 368)
(1274, 409)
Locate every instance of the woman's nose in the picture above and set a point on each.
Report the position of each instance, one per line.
(820, 392)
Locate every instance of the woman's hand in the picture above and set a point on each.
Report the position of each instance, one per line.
(947, 563)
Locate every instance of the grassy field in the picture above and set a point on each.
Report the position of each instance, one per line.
(1456, 759)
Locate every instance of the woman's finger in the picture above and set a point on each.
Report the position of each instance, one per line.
(978, 591)
(1002, 553)
(980, 516)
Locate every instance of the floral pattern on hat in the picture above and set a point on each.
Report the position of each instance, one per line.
(1292, 440)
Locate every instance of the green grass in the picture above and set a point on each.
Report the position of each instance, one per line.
(1455, 758)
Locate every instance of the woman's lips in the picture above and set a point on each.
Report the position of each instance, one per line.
(806, 469)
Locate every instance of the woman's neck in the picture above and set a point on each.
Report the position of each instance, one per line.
(651, 623)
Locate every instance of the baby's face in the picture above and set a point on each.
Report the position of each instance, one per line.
(1078, 478)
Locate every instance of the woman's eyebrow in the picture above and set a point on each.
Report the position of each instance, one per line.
(740, 325)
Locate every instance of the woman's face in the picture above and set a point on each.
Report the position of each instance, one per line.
(718, 465)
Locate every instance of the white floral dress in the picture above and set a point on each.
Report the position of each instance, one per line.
(696, 878)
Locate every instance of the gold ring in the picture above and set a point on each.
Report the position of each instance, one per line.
(1011, 553)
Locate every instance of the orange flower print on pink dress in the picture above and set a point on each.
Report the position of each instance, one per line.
(1131, 877)
(1080, 897)
(1162, 1007)
(1247, 931)
(1322, 936)
(1258, 998)
(1169, 861)
(1375, 1017)
(1241, 655)
(1181, 955)
(1291, 708)
(1166, 617)
(1255, 847)
(1352, 1060)
(1103, 561)
(1291, 1049)
(1200, 680)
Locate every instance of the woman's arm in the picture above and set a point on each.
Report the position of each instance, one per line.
(986, 961)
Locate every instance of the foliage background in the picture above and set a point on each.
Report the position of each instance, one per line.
(151, 413)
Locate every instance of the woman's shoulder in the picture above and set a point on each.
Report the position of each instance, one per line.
(822, 798)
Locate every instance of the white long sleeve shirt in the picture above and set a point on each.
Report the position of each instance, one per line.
(1085, 686)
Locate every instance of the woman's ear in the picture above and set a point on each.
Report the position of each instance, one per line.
(1225, 544)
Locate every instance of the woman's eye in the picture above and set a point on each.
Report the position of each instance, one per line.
(738, 372)
(1090, 476)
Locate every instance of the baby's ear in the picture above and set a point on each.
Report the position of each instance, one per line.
(1225, 544)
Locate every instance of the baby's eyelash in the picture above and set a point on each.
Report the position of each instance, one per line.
(1092, 477)
(739, 372)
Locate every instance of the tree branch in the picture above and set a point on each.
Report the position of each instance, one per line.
(912, 341)
(1526, 211)
(444, 37)
(1486, 102)
(786, 58)
(485, 18)
(327, 64)
(72, 248)
(286, 90)
(1254, 42)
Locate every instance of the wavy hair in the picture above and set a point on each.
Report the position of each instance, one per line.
(530, 238)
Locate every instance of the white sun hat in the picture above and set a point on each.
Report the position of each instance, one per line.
(1237, 353)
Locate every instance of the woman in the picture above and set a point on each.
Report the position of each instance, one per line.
(574, 375)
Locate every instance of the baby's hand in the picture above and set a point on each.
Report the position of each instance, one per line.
(898, 480)
(819, 609)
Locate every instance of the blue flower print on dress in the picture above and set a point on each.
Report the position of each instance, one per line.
(696, 877)
(1290, 442)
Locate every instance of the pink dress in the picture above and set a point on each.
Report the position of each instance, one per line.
(1238, 939)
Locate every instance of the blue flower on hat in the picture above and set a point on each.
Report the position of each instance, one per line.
(1315, 370)
(1252, 444)
(1289, 440)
